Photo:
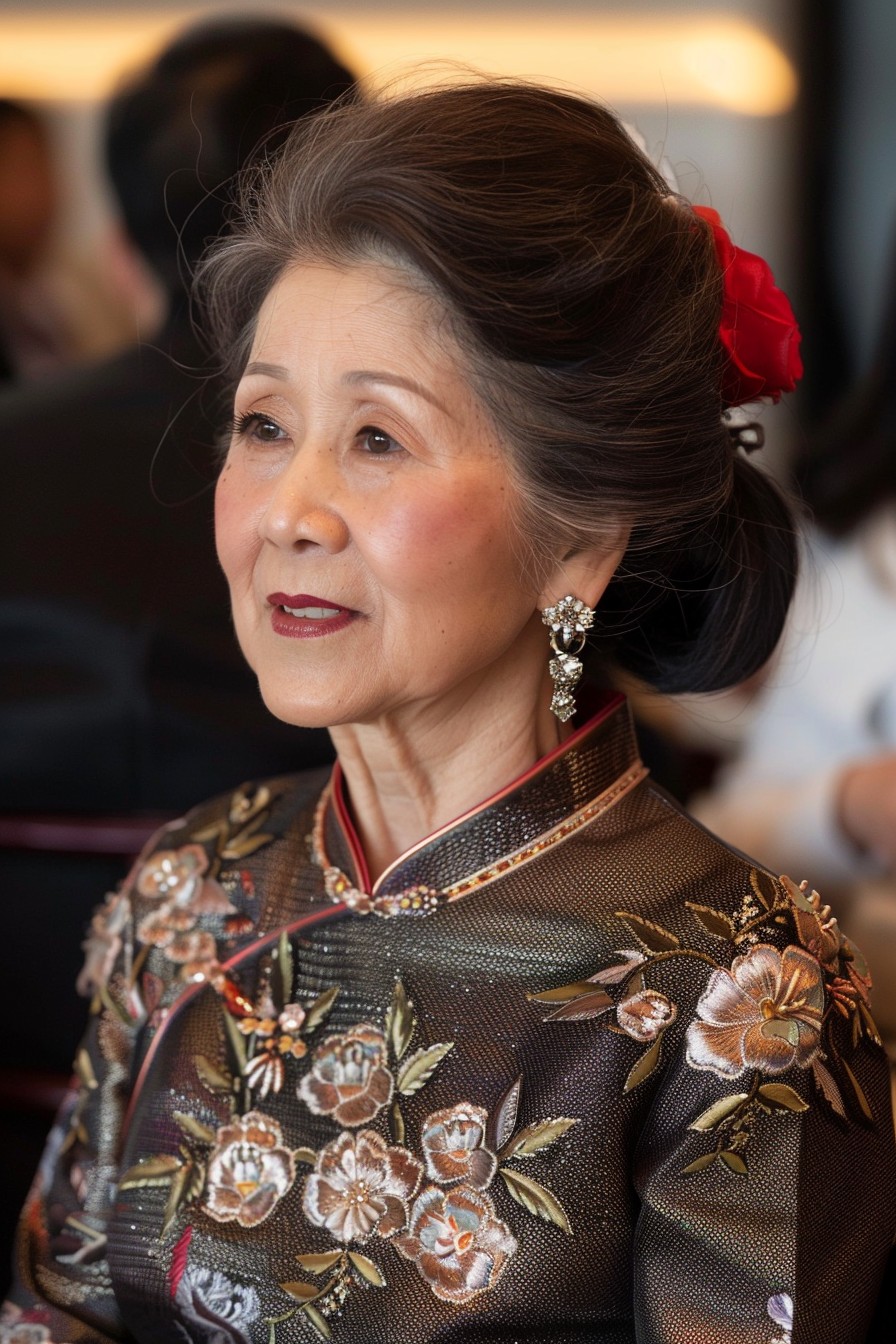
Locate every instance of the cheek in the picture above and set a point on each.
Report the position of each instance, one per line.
(234, 528)
(456, 546)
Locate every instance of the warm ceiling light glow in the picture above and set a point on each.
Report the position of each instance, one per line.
(705, 60)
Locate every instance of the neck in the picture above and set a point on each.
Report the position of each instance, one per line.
(411, 773)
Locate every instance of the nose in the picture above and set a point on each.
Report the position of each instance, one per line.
(303, 509)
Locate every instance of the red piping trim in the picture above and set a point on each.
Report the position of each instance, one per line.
(304, 922)
(543, 763)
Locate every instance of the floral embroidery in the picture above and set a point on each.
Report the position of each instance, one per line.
(360, 1186)
(780, 1310)
(453, 1144)
(221, 1310)
(278, 1034)
(458, 1245)
(362, 1189)
(645, 1014)
(23, 1327)
(104, 941)
(769, 1011)
(349, 1079)
(249, 1171)
(765, 1013)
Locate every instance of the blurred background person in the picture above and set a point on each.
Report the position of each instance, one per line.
(33, 334)
(122, 690)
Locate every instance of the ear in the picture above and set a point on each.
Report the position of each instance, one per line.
(586, 572)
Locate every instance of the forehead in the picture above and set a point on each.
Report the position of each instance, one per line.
(343, 311)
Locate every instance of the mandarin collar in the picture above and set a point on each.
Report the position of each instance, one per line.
(583, 776)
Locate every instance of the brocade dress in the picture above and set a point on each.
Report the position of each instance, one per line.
(571, 1070)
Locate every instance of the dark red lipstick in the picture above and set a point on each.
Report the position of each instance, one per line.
(304, 616)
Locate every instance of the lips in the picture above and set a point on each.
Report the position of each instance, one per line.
(304, 616)
(306, 605)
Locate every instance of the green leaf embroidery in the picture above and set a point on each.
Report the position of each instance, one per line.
(719, 1111)
(644, 1066)
(502, 1121)
(759, 882)
(237, 1042)
(653, 936)
(563, 993)
(243, 845)
(320, 1008)
(782, 1097)
(536, 1137)
(213, 1077)
(307, 1155)
(535, 1198)
(367, 1269)
(396, 1123)
(84, 1069)
(195, 1128)
(734, 1162)
(185, 1185)
(400, 1021)
(858, 1090)
(826, 1083)
(420, 1066)
(151, 1171)
(282, 973)
(319, 1321)
(716, 923)
(578, 1010)
(319, 1264)
(699, 1163)
(301, 1291)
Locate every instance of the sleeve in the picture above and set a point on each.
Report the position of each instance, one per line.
(62, 1291)
(766, 1170)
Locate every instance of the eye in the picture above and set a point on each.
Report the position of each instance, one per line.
(258, 427)
(377, 441)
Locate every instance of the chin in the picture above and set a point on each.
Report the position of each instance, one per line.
(299, 711)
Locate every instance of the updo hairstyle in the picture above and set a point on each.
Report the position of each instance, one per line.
(586, 300)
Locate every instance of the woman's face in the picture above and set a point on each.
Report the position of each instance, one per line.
(364, 511)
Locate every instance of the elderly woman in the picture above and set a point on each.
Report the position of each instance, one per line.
(480, 1038)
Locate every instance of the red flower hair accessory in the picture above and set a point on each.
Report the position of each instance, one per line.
(758, 329)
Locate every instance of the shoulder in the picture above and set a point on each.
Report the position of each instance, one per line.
(751, 966)
(196, 893)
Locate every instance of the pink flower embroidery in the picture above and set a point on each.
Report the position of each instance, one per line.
(349, 1079)
(249, 1172)
(458, 1245)
(176, 878)
(765, 1014)
(361, 1186)
(173, 874)
(646, 1014)
(104, 942)
(279, 1037)
(453, 1145)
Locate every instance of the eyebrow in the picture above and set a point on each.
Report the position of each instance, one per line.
(396, 380)
(357, 376)
(271, 370)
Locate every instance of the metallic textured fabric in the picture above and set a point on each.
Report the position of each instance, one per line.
(789, 1206)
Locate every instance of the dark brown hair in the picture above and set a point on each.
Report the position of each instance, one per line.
(586, 299)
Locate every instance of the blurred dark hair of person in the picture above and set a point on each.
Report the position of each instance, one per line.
(31, 338)
(222, 94)
(122, 689)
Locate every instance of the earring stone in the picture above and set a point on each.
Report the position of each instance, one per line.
(569, 621)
